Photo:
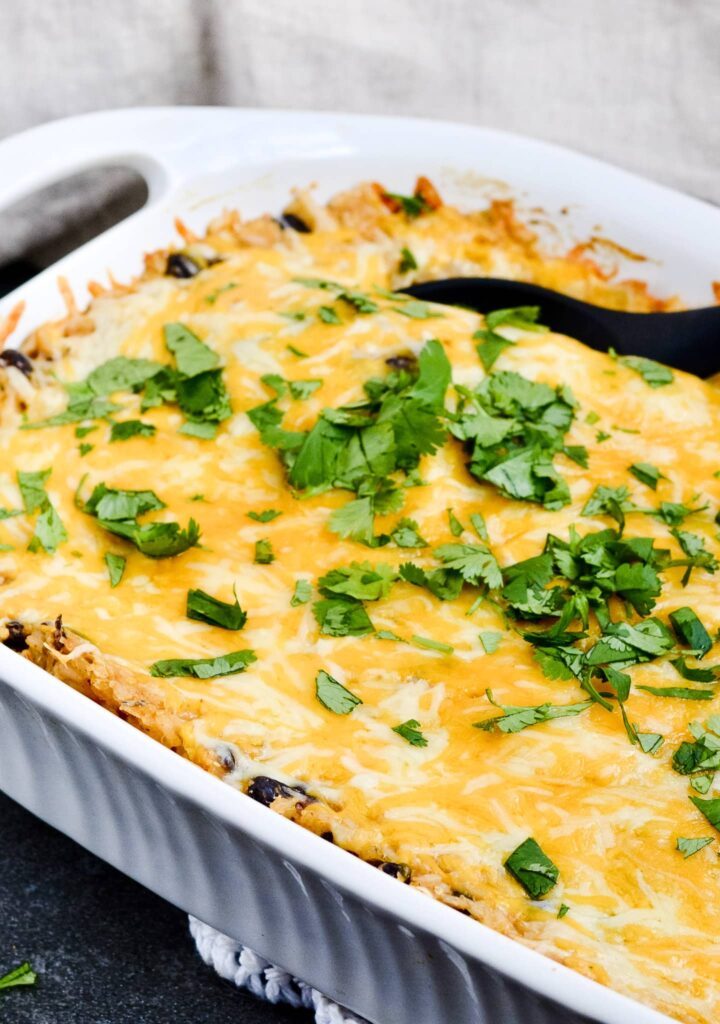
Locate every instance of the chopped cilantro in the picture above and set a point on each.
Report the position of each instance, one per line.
(360, 580)
(126, 429)
(702, 783)
(475, 563)
(411, 731)
(602, 435)
(411, 206)
(456, 527)
(407, 261)
(360, 446)
(85, 449)
(333, 695)
(680, 692)
(695, 675)
(415, 309)
(513, 427)
(493, 344)
(342, 616)
(431, 645)
(203, 431)
(445, 584)
(690, 631)
(32, 489)
(533, 869)
(673, 512)
(117, 512)
(49, 531)
(698, 557)
(266, 516)
(490, 640)
(592, 417)
(703, 755)
(192, 355)
(405, 535)
(296, 351)
(654, 374)
(84, 431)
(302, 593)
(649, 742)
(563, 910)
(328, 315)
(361, 302)
(204, 608)
(22, 975)
(710, 809)
(115, 566)
(514, 718)
(264, 554)
(204, 668)
(646, 473)
(688, 847)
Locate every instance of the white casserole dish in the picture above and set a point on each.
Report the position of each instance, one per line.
(384, 950)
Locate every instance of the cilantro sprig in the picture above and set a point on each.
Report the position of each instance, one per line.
(117, 512)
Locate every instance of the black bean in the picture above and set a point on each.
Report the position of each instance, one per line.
(407, 362)
(16, 638)
(180, 265)
(291, 220)
(328, 837)
(11, 357)
(401, 871)
(265, 790)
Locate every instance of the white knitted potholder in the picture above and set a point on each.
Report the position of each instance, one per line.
(238, 964)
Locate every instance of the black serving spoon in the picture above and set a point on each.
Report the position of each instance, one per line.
(689, 340)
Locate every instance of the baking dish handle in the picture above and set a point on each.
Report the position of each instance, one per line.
(153, 141)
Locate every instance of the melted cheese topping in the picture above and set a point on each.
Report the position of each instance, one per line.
(641, 919)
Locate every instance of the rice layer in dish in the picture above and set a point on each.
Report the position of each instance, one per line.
(438, 587)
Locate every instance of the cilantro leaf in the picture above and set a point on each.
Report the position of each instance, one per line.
(475, 562)
(411, 206)
(193, 356)
(22, 975)
(328, 315)
(333, 695)
(688, 847)
(342, 616)
(302, 593)
(407, 261)
(681, 692)
(412, 732)
(490, 640)
(690, 631)
(646, 473)
(695, 675)
(516, 718)
(654, 374)
(266, 516)
(126, 429)
(121, 374)
(117, 511)
(49, 531)
(405, 535)
(32, 489)
(431, 645)
(456, 527)
(359, 580)
(710, 809)
(673, 512)
(533, 869)
(204, 668)
(698, 557)
(204, 608)
(445, 584)
(115, 566)
(264, 554)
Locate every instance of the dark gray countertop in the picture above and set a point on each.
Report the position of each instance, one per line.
(107, 950)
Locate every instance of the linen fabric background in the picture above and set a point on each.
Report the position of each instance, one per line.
(636, 82)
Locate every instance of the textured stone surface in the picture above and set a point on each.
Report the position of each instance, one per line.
(107, 950)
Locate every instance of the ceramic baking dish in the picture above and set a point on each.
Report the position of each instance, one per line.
(385, 950)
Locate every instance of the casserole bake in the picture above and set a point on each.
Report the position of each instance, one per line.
(297, 373)
(286, 257)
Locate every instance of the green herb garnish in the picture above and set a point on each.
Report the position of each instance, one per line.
(204, 608)
(204, 668)
(333, 695)
(533, 869)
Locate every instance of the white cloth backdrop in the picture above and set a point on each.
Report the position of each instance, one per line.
(636, 82)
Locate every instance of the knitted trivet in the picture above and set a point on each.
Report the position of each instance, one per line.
(238, 964)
